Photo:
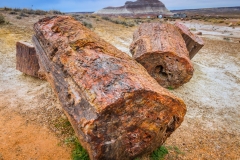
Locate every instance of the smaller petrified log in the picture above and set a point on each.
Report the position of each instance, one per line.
(160, 48)
(27, 61)
(193, 42)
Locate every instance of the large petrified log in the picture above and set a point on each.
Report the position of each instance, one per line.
(160, 48)
(26, 57)
(193, 42)
(116, 109)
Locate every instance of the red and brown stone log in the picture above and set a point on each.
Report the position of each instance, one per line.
(193, 42)
(160, 48)
(26, 57)
(116, 109)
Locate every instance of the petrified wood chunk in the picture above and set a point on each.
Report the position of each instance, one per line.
(116, 109)
(193, 42)
(27, 61)
(160, 48)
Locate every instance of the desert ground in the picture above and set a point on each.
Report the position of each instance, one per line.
(33, 126)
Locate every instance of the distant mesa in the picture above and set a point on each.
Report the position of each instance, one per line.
(137, 8)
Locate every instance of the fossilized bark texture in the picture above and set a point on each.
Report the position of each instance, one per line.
(117, 110)
(26, 57)
(193, 42)
(160, 48)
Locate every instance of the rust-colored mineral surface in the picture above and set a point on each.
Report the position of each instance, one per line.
(116, 109)
(160, 48)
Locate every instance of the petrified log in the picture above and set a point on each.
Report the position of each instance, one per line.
(193, 42)
(27, 61)
(116, 109)
(160, 48)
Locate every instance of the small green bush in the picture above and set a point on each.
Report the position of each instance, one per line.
(78, 153)
(2, 19)
(159, 154)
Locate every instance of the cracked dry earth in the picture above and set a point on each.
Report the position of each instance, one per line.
(211, 129)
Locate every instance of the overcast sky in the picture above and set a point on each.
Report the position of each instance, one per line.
(94, 5)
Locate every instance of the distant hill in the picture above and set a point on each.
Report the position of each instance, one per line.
(233, 12)
(139, 7)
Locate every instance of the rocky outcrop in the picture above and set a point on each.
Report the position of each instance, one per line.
(151, 7)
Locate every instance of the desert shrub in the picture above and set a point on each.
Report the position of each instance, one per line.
(16, 9)
(77, 17)
(7, 9)
(92, 16)
(131, 24)
(12, 12)
(137, 21)
(40, 12)
(193, 29)
(88, 25)
(23, 15)
(2, 19)
(238, 23)
(55, 12)
(18, 17)
(106, 18)
(220, 21)
(28, 11)
(123, 23)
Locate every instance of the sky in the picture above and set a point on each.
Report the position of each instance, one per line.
(94, 5)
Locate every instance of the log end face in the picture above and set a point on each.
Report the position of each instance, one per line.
(169, 70)
(139, 123)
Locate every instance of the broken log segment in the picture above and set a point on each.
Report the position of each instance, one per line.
(116, 109)
(26, 57)
(193, 42)
(160, 48)
(27, 61)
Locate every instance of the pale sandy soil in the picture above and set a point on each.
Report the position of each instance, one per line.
(211, 130)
